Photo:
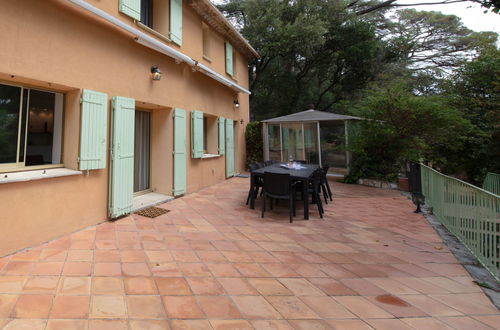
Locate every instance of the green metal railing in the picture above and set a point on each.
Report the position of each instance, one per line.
(468, 212)
(492, 183)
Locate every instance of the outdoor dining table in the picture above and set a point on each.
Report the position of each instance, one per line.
(303, 175)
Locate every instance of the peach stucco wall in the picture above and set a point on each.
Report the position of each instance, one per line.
(51, 45)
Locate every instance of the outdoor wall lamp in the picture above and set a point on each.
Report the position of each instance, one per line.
(155, 73)
(241, 121)
(236, 104)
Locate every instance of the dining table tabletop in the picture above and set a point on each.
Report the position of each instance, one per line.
(298, 172)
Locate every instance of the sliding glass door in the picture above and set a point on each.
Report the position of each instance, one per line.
(142, 147)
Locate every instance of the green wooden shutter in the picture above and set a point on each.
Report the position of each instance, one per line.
(93, 124)
(131, 8)
(121, 179)
(196, 134)
(179, 152)
(176, 21)
(229, 149)
(222, 135)
(229, 58)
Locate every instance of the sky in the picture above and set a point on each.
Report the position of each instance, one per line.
(472, 14)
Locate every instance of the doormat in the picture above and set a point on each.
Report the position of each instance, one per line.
(242, 175)
(152, 212)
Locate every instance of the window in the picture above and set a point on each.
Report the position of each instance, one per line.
(206, 41)
(162, 16)
(210, 135)
(147, 12)
(204, 135)
(155, 15)
(30, 127)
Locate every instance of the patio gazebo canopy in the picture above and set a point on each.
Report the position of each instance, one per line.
(315, 136)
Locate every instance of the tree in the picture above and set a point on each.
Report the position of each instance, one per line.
(400, 126)
(475, 90)
(312, 52)
(370, 6)
(433, 41)
(254, 144)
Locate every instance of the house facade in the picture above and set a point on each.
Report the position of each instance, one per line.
(107, 102)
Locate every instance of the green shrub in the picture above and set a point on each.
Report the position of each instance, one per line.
(400, 126)
(254, 143)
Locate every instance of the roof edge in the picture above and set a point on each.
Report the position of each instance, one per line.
(212, 16)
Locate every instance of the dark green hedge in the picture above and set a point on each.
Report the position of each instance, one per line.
(254, 143)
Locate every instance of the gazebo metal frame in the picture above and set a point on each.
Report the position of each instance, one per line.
(310, 117)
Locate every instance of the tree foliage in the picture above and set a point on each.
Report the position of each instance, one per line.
(424, 40)
(312, 52)
(456, 129)
(369, 6)
(253, 139)
(427, 85)
(401, 126)
(475, 90)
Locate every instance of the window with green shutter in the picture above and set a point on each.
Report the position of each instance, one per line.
(130, 8)
(196, 134)
(222, 135)
(93, 130)
(229, 59)
(179, 152)
(176, 21)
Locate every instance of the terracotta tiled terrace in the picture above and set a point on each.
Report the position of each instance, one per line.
(213, 263)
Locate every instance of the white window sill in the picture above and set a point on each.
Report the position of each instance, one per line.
(205, 156)
(36, 175)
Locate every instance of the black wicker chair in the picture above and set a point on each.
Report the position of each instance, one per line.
(255, 185)
(324, 182)
(278, 186)
(314, 191)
